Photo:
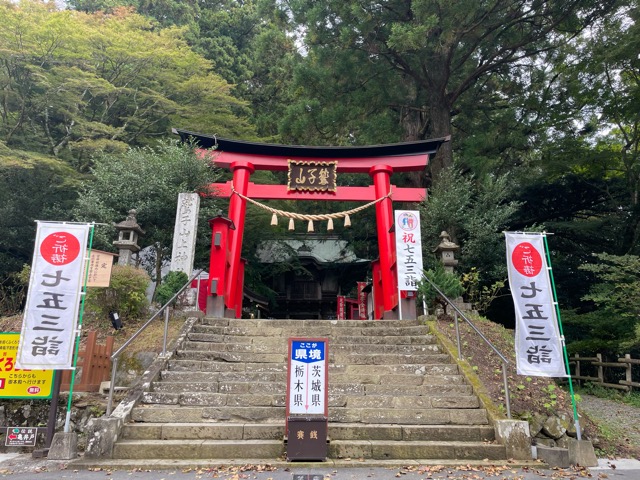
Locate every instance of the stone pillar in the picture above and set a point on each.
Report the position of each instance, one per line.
(185, 233)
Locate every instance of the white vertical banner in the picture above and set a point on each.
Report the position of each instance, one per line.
(538, 346)
(408, 249)
(53, 301)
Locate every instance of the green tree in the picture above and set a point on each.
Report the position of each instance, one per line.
(76, 84)
(614, 326)
(32, 187)
(149, 180)
(410, 64)
(448, 283)
(474, 213)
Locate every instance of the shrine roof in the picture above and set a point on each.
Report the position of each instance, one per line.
(329, 250)
(429, 147)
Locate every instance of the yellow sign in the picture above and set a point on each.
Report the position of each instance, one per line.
(16, 383)
(100, 264)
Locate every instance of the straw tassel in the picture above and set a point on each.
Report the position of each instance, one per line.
(292, 225)
(274, 219)
(330, 225)
(347, 220)
(310, 227)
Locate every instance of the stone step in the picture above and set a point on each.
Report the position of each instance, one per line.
(336, 431)
(334, 388)
(150, 449)
(433, 375)
(208, 431)
(408, 450)
(271, 449)
(358, 431)
(306, 324)
(195, 398)
(217, 366)
(282, 348)
(352, 359)
(196, 414)
(320, 329)
(201, 334)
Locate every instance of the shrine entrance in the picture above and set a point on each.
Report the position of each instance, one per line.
(313, 173)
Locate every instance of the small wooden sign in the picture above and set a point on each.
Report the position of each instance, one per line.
(312, 176)
(100, 264)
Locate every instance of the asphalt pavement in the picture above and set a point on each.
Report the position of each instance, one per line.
(24, 467)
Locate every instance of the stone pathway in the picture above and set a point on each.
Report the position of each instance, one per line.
(620, 418)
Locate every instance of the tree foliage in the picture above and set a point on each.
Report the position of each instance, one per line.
(77, 84)
(474, 213)
(614, 325)
(448, 283)
(413, 62)
(148, 180)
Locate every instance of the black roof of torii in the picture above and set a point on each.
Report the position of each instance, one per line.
(254, 148)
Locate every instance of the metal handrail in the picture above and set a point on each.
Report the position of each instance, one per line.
(116, 354)
(505, 362)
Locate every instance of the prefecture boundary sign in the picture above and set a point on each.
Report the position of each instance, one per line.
(307, 392)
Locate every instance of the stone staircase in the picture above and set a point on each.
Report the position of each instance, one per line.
(393, 395)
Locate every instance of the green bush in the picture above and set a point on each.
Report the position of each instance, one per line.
(171, 284)
(125, 295)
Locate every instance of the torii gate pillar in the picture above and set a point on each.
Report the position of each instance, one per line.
(242, 171)
(381, 175)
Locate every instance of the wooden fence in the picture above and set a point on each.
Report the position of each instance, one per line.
(597, 371)
(93, 368)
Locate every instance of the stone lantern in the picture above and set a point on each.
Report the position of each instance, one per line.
(446, 248)
(127, 243)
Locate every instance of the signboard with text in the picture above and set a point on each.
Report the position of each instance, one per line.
(408, 249)
(312, 176)
(100, 265)
(17, 383)
(307, 386)
(21, 437)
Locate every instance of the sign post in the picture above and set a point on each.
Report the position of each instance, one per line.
(307, 399)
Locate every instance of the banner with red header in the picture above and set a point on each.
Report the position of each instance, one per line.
(53, 301)
(538, 346)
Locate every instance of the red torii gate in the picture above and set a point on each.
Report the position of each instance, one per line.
(226, 273)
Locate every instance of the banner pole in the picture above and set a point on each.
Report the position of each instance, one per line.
(67, 421)
(564, 345)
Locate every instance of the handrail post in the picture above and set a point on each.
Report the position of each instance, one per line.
(112, 385)
(166, 331)
(458, 336)
(116, 354)
(507, 396)
(505, 362)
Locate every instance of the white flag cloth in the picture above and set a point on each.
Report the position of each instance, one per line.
(538, 346)
(53, 301)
